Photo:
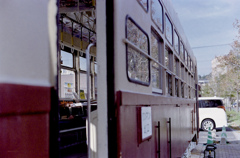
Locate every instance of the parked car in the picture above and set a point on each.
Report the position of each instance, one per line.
(211, 113)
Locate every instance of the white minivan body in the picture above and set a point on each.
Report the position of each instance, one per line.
(210, 115)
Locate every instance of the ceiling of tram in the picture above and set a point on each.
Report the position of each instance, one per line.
(77, 17)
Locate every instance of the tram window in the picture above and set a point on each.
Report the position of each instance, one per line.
(186, 57)
(156, 69)
(176, 42)
(83, 84)
(176, 87)
(83, 64)
(186, 91)
(189, 62)
(168, 59)
(182, 71)
(169, 30)
(181, 49)
(137, 63)
(144, 4)
(157, 13)
(66, 59)
(176, 66)
(168, 84)
(182, 89)
(67, 84)
(186, 76)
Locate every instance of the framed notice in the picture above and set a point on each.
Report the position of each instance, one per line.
(144, 119)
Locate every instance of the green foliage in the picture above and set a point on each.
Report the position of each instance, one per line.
(233, 119)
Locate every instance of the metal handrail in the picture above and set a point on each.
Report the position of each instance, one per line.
(88, 96)
(170, 138)
(159, 143)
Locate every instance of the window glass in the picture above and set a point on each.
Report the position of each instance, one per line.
(67, 84)
(166, 58)
(186, 57)
(189, 62)
(157, 13)
(182, 72)
(83, 84)
(169, 30)
(138, 64)
(189, 92)
(176, 42)
(176, 87)
(169, 84)
(181, 50)
(176, 66)
(83, 63)
(155, 77)
(66, 59)
(186, 91)
(156, 69)
(144, 4)
(182, 89)
(209, 103)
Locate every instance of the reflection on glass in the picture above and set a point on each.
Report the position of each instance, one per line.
(176, 87)
(66, 59)
(189, 62)
(156, 69)
(182, 72)
(175, 66)
(176, 40)
(67, 83)
(144, 3)
(155, 78)
(166, 58)
(154, 48)
(186, 58)
(169, 29)
(169, 84)
(157, 13)
(136, 36)
(138, 65)
(181, 50)
(182, 89)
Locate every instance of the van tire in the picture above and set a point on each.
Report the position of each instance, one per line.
(208, 123)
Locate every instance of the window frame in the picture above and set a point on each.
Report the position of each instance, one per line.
(171, 29)
(148, 53)
(160, 28)
(160, 60)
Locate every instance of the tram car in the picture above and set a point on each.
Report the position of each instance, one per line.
(86, 78)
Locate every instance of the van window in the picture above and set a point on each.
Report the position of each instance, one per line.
(210, 103)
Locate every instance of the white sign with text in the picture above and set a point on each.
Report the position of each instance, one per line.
(146, 122)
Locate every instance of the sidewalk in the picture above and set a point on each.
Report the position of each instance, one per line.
(230, 150)
(223, 151)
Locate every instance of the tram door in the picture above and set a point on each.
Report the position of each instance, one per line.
(77, 78)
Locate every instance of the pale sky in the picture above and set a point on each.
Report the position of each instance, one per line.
(208, 25)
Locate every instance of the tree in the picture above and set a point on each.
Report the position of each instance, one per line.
(230, 79)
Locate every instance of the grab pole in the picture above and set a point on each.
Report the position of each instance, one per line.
(88, 96)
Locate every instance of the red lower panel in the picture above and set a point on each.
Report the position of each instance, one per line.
(24, 121)
(18, 99)
(174, 136)
(24, 136)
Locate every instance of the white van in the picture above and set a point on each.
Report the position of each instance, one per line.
(211, 113)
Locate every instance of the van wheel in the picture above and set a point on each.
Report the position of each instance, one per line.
(208, 123)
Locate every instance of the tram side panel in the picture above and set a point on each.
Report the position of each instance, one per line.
(175, 126)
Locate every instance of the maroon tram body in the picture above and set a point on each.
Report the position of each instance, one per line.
(97, 79)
